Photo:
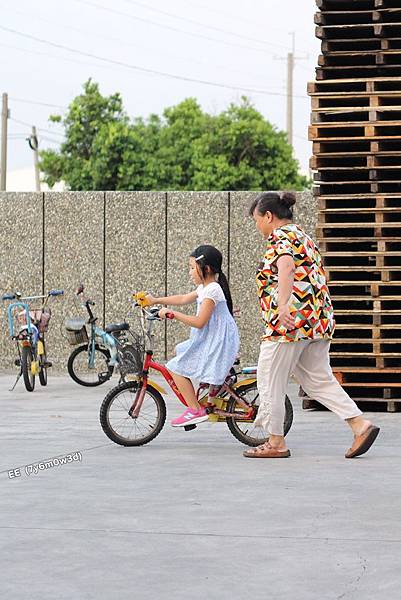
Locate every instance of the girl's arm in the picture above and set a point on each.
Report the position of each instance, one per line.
(178, 300)
(198, 321)
(286, 269)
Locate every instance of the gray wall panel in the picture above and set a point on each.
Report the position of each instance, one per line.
(135, 253)
(193, 218)
(74, 232)
(21, 255)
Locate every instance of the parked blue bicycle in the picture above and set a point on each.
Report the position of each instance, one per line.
(103, 351)
(27, 327)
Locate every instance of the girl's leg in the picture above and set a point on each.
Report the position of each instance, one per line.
(187, 390)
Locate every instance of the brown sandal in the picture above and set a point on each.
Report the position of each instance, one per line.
(363, 442)
(266, 451)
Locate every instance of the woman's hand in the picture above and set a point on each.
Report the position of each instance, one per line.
(150, 299)
(163, 312)
(285, 317)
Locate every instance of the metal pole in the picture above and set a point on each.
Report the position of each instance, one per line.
(290, 77)
(3, 150)
(35, 145)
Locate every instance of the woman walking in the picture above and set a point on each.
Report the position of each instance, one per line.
(299, 324)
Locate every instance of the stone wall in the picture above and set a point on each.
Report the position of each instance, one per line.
(118, 242)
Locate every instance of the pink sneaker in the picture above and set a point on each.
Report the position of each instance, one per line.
(190, 417)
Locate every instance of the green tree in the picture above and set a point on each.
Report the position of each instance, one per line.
(184, 149)
(91, 118)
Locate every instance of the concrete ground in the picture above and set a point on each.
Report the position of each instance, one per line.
(187, 517)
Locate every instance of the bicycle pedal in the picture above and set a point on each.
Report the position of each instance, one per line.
(189, 427)
(104, 376)
(47, 364)
(17, 362)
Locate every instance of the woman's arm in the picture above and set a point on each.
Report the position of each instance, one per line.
(286, 270)
(198, 321)
(178, 300)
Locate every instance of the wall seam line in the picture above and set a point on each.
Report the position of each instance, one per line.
(104, 259)
(165, 268)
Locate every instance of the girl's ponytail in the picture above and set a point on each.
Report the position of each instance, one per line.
(222, 281)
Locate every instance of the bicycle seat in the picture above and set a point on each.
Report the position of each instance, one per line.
(113, 327)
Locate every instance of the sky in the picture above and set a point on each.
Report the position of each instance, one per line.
(155, 53)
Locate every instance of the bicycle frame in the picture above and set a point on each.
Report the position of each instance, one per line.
(107, 340)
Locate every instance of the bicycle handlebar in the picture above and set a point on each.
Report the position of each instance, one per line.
(18, 295)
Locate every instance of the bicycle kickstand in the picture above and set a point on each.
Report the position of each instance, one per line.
(16, 381)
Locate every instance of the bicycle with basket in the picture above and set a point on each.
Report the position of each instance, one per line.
(99, 353)
(27, 327)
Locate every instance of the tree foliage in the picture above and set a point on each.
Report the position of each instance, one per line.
(184, 149)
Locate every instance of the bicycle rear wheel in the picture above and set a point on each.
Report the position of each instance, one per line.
(42, 366)
(27, 359)
(243, 429)
(125, 430)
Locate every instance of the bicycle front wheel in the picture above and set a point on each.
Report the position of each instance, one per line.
(244, 429)
(125, 430)
(84, 374)
(27, 359)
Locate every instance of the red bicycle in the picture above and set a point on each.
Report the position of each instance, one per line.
(134, 412)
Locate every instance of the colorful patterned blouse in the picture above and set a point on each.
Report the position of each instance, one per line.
(310, 301)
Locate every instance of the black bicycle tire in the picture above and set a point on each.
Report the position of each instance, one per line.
(29, 383)
(104, 410)
(43, 369)
(70, 365)
(236, 431)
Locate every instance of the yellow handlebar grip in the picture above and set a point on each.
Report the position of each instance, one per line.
(140, 297)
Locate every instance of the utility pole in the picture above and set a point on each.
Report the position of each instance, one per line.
(34, 145)
(3, 149)
(291, 58)
(290, 80)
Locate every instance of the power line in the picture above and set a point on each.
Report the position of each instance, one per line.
(114, 39)
(40, 128)
(170, 27)
(194, 22)
(144, 69)
(65, 58)
(37, 103)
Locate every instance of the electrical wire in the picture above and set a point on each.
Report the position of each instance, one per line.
(144, 69)
(194, 22)
(38, 127)
(170, 27)
(36, 102)
(119, 41)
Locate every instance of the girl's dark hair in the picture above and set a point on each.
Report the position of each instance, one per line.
(211, 259)
(279, 204)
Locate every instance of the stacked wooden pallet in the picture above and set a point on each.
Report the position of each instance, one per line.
(356, 134)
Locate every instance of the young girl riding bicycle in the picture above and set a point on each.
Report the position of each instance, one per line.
(213, 345)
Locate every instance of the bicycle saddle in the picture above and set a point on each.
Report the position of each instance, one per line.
(113, 327)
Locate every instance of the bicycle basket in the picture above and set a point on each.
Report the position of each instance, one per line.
(41, 319)
(38, 316)
(132, 355)
(76, 331)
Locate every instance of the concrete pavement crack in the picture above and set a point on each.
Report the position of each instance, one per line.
(202, 534)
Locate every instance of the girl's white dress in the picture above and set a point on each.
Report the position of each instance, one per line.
(210, 352)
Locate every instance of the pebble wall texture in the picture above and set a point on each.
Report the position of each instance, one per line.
(118, 242)
(73, 254)
(21, 255)
(135, 254)
(193, 218)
